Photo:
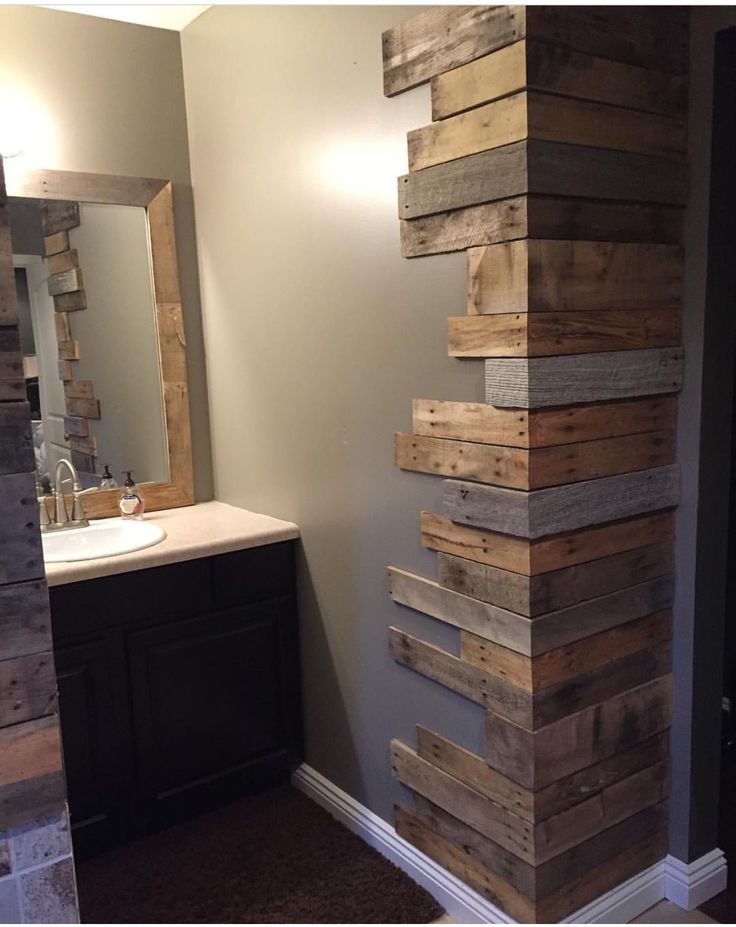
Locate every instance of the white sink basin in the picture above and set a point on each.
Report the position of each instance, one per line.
(103, 538)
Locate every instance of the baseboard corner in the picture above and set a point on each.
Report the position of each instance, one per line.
(689, 885)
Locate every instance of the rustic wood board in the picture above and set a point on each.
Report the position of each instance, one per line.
(58, 216)
(27, 688)
(8, 314)
(62, 261)
(528, 114)
(573, 276)
(78, 427)
(56, 243)
(544, 168)
(593, 220)
(16, 440)
(499, 824)
(25, 625)
(545, 592)
(537, 759)
(561, 508)
(530, 65)
(87, 447)
(20, 539)
(477, 421)
(536, 468)
(543, 555)
(464, 228)
(87, 188)
(67, 282)
(426, 596)
(442, 38)
(79, 389)
(12, 383)
(31, 776)
(530, 637)
(63, 327)
(545, 334)
(557, 381)
(70, 302)
(83, 408)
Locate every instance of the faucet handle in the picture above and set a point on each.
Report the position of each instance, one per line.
(77, 507)
(43, 512)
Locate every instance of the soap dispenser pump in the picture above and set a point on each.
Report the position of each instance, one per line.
(108, 480)
(131, 501)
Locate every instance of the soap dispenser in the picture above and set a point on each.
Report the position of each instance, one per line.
(108, 480)
(131, 501)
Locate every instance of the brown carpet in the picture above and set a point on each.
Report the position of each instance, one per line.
(273, 858)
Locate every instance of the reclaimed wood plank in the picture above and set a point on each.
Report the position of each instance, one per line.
(573, 276)
(543, 555)
(62, 261)
(25, 624)
(31, 776)
(68, 350)
(70, 302)
(545, 592)
(534, 468)
(27, 688)
(465, 679)
(529, 114)
(83, 408)
(58, 216)
(593, 220)
(499, 824)
(465, 228)
(479, 422)
(425, 595)
(87, 188)
(534, 166)
(78, 427)
(56, 243)
(20, 539)
(8, 313)
(545, 334)
(442, 38)
(16, 440)
(556, 381)
(63, 327)
(537, 759)
(67, 282)
(66, 370)
(79, 389)
(530, 65)
(561, 508)
(12, 382)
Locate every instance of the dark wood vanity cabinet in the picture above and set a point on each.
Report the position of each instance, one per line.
(178, 689)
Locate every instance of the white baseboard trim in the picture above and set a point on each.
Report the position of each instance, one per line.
(689, 885)
(686, 885)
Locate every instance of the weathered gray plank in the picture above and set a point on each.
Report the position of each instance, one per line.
(27, 688)
(25, 625)
(546, 592)
(12, 383)
(530, 637)
(561, 508)
(497, 624)
(67, 282)
(70, 302)
(16, 441)
(58, 216)
(441, 38)
(21, 557)
(536, 382)
(545, 168)
(8, 315)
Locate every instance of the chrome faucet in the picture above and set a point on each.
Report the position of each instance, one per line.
(61, 517)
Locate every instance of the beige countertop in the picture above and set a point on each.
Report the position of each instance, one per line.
(194, 531)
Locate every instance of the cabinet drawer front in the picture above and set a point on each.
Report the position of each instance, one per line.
(253, 575)
(208, 696)
(151, 596)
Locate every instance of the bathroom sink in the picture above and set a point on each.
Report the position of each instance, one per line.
(103, 538)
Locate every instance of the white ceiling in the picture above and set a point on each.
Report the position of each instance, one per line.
(163, 16)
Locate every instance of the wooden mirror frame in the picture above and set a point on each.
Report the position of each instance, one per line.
(156, 197)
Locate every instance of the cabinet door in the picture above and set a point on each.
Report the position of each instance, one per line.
(90, 738)
(210, 707)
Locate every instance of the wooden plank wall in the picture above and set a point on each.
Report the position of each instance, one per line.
(31, 776)
(556, 160)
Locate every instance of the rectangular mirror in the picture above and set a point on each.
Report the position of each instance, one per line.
(101, 332)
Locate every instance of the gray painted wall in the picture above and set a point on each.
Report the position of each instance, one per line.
(108, 97)
(318, 335)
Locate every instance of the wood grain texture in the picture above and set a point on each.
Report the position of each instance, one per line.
(31, 776)
(544, 168)
(12, 382)
(537, 759)
(561, 508)
(464, 228)
(8, 314)
(529, 114)
(62, 261)
(477, 421)
(530, 65)
(545, 592)
(86, 187)
(83, 408)
(79, 389)
(515, 631)
(598, 220)
(442, 38)
(67, 282)
(27, 688)
(543, 555)
(16, 440)
(544, 334)
(63, 326)
(20, 539)
(533, 468)
(78, 427)
(557, 381)
(58, 216)
(56, 243)
(494, 821)
(573, 276)
(25, 625)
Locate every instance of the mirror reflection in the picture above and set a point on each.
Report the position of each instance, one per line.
(89, 338)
